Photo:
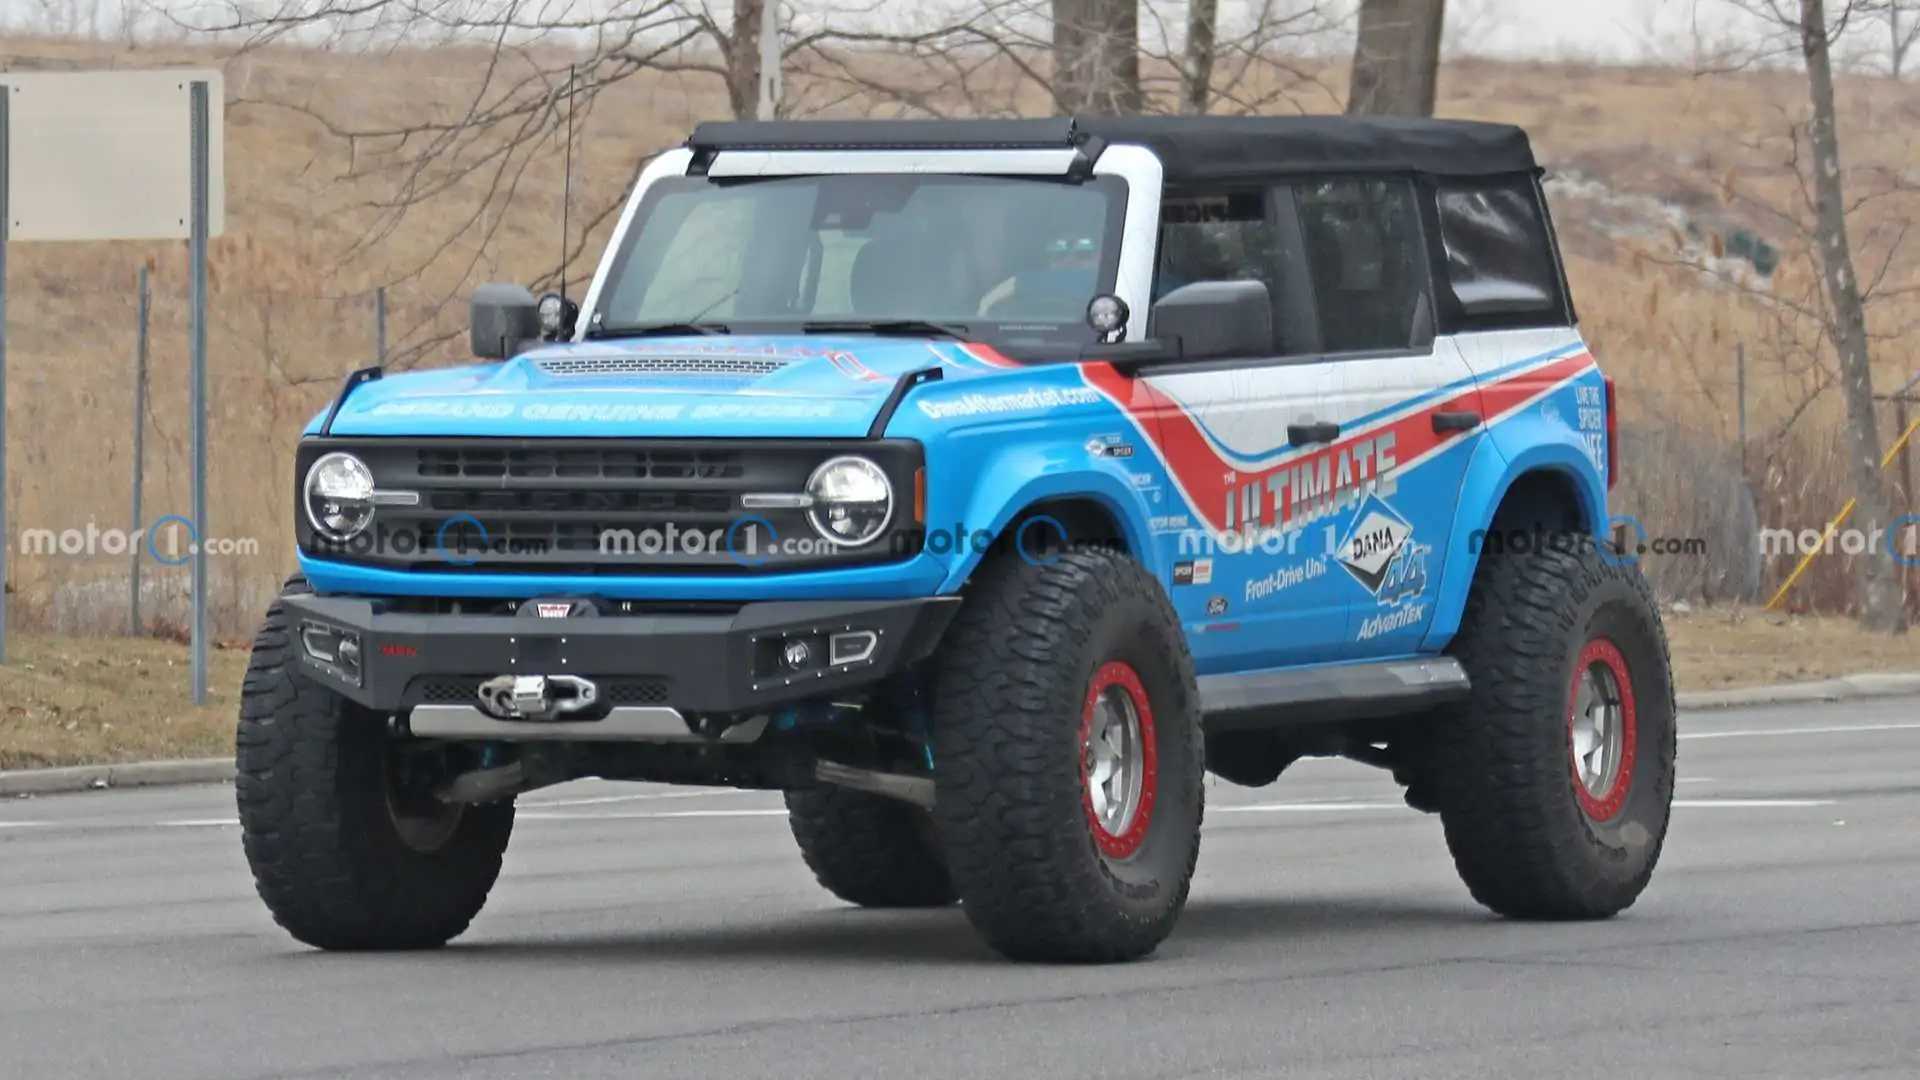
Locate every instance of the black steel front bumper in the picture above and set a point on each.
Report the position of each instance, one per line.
(693, 662)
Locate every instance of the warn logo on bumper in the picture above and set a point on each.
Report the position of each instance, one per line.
(558, 609)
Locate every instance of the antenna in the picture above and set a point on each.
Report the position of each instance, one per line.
(566, 190)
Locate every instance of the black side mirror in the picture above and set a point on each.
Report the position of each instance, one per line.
(505, 319)
(1215, 320)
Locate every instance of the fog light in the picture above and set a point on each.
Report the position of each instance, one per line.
(797, 655)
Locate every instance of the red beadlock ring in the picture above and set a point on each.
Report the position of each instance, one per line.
(1117, 673)
(1607, 806)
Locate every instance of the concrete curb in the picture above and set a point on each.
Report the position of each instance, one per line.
(132, 774)
(1849, 688)
(220, 770)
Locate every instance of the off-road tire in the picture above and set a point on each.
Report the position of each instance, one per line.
(869, 850)
(1013, 688)
(1527, 837)
(319, 835)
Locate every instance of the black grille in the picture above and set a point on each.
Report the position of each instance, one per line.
(448, 691)
(598, 506)
(637, 692)
(594, 463)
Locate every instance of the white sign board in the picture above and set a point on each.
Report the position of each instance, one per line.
(107, 155)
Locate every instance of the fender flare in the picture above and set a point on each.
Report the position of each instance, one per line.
(1490, 476)
(994, 508)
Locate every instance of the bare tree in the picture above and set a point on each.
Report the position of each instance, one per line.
(1881, 607)
(1196, 74)
(1396, 57)
(1808, 29)
(1096, 55)
(1902, 19)
(1256, 56)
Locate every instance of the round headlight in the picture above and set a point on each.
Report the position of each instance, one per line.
(339, 496)
(852, 501)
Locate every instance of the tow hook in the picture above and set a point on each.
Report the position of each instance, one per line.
(537, 697)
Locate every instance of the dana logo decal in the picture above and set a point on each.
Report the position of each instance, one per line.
(1377, 535)
(1381, 554)
(553, 611)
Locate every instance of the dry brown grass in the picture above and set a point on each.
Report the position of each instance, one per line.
(1718, 648)
(290, 312)
(75, 701)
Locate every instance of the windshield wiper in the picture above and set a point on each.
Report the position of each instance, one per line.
(657, 330)
(917, 327)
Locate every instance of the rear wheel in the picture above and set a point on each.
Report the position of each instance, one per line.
(1554, 782)
(348, 845)
(869, 850)
(1068, 759)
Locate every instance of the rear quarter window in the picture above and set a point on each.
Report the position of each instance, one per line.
(1499, 254)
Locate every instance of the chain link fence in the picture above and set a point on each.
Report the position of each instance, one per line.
(275, 359)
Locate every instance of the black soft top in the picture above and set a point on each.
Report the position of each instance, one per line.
(1191, 148)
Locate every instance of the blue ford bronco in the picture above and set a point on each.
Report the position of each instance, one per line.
(981, 485)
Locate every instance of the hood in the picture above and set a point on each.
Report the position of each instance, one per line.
(802, 386)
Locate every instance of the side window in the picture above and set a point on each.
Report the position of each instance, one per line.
(1236, 235)
(1367, 260)
(1499, 256)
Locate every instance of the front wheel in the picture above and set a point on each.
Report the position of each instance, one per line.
(1068, 758)
(348, 846)
(1554, 781)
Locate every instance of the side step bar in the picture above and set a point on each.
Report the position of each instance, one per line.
(1333, 693)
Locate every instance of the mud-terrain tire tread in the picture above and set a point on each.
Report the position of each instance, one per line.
(869, 850)
(1501, 777)
(329, 869)
(1011, 819)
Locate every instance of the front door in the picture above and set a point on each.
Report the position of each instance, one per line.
(1251, 590)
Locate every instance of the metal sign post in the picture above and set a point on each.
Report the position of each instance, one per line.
(197, 343)
(6, 227)
(96, 155)
(139, 446)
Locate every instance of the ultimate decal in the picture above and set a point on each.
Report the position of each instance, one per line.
(1314, 486)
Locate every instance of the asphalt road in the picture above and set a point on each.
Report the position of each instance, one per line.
(645, 931)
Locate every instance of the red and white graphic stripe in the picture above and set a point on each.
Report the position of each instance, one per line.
(1207, 473)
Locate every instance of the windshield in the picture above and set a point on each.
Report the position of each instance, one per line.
(1010, 260)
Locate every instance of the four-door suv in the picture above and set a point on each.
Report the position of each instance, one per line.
(980, 485)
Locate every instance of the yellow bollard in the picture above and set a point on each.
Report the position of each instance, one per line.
(1839, 520)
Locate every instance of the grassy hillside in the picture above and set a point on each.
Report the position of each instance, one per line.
(1655, 164)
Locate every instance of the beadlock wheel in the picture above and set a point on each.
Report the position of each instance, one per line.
(1555, 777)
(1119, 761)
(1068, 758)
(1602, 732)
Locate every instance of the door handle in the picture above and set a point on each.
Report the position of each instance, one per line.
(1446, 422)
(1304, 434)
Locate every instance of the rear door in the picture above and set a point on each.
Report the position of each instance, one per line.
(1407, 407)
